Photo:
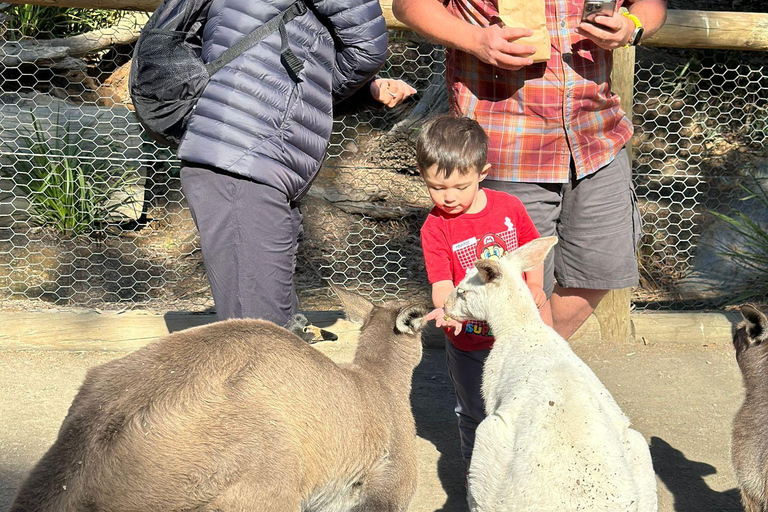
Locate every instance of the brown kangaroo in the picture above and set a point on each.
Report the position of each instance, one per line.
(241, 415)
(749, 440)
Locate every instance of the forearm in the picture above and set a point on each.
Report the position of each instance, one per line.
(651, 13)
(440, 292)
(535, 277)
(432, 20)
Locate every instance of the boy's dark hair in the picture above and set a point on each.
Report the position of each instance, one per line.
(453, 143)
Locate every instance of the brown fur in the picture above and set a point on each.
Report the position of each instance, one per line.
(241, 415)
(749, 442)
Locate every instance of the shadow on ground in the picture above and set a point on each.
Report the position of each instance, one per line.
(432, 402)
(178, 321)
(9, 482)
(685, 480)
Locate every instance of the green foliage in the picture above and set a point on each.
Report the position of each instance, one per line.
(51, 22)
(752, 253)
(73, 194)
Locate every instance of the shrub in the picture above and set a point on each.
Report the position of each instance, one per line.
(71, 193)
(51, 22)
(752, 251)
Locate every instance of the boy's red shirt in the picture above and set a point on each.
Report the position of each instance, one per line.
(452, 244)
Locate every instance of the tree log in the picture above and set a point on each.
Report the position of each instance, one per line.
(50, 53)
(122, 5)
(125, 31)
(434, 100)
(99, 132)
(377, 211)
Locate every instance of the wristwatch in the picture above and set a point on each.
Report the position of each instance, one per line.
(634, 39)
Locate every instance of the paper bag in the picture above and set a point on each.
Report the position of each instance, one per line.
(528, 14)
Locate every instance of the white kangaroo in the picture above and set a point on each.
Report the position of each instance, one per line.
(554, 439)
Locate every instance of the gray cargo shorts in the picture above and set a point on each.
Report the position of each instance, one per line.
(597, 223)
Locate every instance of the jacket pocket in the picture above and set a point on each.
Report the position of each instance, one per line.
(290, 105)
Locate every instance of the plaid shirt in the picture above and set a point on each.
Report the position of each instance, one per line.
(541, 116)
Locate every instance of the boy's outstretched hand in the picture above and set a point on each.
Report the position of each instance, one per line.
(391, 92)
(442, 320)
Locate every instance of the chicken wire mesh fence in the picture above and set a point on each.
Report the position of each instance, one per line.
(92, 213)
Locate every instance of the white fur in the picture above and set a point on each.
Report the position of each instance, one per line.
(554, 439)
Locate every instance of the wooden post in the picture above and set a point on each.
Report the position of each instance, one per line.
(613, 311)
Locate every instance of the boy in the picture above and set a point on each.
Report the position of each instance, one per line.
(467, 223)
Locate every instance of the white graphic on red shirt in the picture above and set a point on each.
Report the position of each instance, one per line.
(491, 246)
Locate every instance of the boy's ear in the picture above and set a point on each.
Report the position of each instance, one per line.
(484, 172)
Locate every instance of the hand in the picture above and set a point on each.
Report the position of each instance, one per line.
(609, 32)
(498, 46)
(539, 297)
(438, 315)
(391, 92)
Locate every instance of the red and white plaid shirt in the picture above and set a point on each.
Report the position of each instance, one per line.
(541, 116)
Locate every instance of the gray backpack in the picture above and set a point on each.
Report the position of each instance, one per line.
(168, 74)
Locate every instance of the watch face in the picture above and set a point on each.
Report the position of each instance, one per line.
(637, 35)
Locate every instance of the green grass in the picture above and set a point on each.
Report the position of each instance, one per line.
(69, 193)
(752, 253)
(52, 22)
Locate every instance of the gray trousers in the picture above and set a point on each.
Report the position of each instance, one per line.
(249, 235)
(466, 371)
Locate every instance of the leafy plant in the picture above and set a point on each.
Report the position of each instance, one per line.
(71, 193)
(50, 22)
(752, 252)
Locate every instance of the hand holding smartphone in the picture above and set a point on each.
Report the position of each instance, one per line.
(594, 8)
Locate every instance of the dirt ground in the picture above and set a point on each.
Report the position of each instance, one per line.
(682, 397)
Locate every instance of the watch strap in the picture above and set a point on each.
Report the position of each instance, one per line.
(634, 39)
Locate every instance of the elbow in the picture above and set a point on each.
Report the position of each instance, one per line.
(398, 10)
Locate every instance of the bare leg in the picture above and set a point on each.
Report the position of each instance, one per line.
(546, 313)
(571, 307)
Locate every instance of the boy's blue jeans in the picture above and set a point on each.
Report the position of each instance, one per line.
(466, 371)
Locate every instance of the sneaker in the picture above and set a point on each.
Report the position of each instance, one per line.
(300, 326)
(313, 334)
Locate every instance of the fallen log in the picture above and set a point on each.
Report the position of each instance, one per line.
(55, 52)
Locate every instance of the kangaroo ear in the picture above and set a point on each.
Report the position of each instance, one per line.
(532, 254)
(356, 307)
(410, 319)
(755, 322)
(488, 270)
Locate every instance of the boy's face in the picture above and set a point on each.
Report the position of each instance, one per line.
(457, 193)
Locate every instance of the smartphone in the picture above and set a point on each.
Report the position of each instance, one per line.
(593, 8)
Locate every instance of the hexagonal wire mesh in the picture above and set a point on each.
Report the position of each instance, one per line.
(91, 211)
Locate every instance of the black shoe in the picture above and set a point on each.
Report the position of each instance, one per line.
(317, 334)
(300, 326)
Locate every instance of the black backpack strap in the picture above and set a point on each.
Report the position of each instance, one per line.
(293, 63)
